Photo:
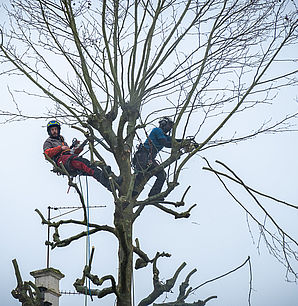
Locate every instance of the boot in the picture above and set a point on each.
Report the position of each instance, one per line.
(100, 177)
(134, 193)
(107, 171)
(119, 180)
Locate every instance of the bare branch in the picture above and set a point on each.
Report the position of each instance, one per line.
(159, 287)
(79, 283)
(23, 291)
(281, 245)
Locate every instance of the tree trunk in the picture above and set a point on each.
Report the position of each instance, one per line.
(123, 224)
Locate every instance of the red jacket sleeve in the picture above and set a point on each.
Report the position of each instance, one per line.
(51, 152)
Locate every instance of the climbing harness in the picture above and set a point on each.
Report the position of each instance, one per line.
(72, 172)
(88, 233)
(138, 166)
(56, 157)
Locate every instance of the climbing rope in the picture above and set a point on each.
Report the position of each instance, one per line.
(133, 288)
(88, 232)
(87, 249)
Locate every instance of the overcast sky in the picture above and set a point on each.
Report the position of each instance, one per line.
(215, 239)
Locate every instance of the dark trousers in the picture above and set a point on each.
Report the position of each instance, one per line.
(75, 164)
(143, 163)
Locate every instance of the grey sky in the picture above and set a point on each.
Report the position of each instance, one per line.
(215, 239)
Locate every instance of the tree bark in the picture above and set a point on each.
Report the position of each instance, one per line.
(123, 224)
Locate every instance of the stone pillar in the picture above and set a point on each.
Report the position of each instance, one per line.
(48, 279)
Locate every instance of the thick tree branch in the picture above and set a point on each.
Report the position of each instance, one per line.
(23, 292)
(81, 288)
(159, 287)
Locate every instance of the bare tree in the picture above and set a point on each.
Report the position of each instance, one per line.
(112, 68)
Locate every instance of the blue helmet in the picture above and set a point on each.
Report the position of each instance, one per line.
(51, 124)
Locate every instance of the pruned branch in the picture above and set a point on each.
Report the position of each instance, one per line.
(143, 259)
(26, 292)
(159, 287)
(197, 303)
(185, 214)
(81, 288)
(158, 202)
(182, 289)
(94, 228)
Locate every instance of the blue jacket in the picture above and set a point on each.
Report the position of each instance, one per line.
(157, 140)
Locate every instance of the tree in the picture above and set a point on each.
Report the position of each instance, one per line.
(107, 65)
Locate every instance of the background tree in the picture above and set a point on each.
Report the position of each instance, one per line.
(112, 69)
